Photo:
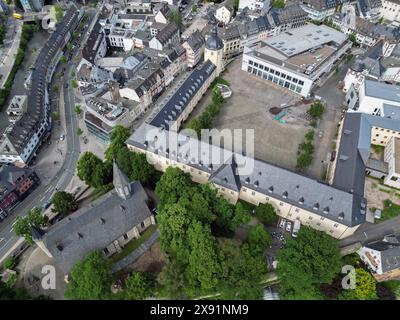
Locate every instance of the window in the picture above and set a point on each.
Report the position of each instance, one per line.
(322, 218)
(336, 225)
(253, 193)
(249, 69)
(309, 218)
(106, 251)
(142, 224)
(297, 210)
(125, 236)
(281, 203)
(301, 82)
(256, 65)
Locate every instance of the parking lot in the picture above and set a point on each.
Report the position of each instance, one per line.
(279, 233)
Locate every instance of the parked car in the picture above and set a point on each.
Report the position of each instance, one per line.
(282, 223)
(288, 226)
(46, 205)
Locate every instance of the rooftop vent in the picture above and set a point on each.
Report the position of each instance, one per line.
(316, 206)
(102, 221)
(326, 210)
(301, 200)
(285, 194)
(271, 189)
(341, 216)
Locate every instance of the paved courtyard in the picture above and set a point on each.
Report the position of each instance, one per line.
(248, 108)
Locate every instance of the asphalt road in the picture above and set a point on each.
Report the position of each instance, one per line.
(44, 192)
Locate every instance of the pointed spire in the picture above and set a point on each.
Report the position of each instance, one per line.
(121, 182)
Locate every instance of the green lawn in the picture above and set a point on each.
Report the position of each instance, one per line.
(390, 210)
(133, 245)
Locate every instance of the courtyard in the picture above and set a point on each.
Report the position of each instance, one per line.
(276, 141)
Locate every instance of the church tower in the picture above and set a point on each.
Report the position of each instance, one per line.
(214, 50)
(121, 183)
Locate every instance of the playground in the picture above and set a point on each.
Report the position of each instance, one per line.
(278, 135)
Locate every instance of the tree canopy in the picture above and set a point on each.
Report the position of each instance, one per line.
(311, 259)
(22, 225)
(365, 287)
(64, 202)
(93, 171)
(138, 286)
(265, 212)
(90, 279)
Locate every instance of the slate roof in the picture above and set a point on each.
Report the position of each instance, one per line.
(94, 228)
(181, 98)
(196, 40)
(382, 90)
(166, 33)
(290, 187)
(389, 247)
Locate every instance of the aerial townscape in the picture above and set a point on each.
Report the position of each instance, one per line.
(197, 150)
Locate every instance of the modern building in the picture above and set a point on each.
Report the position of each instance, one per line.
(376, 98)
(383, 257)
(298, 59)
(15, 185)
(19, 145)
(106, 225)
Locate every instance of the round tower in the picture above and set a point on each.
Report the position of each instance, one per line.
(214, 50)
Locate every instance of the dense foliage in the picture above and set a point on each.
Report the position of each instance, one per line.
(307, 262)
(64, 202)
(22, 225)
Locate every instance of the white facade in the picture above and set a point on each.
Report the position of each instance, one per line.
(390, 10)
(391, 156)
(223, 14)
(277, 74)
(253, 5)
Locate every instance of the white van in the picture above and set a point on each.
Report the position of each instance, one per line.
(296, 228)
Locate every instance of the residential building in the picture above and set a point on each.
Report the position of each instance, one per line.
(107, 225)
(369, 9)
(166, 38)
(320, 9)
(88, 73)
(15, 185)
(390, 10)
(17, 108)
(290, 17)
(162, 13)
(183, 101)
(224, 12)
(96, 45)
(392, 158)
(253, 5)
(299, 59)
(194, 47)
(20, 143)
(382, 257)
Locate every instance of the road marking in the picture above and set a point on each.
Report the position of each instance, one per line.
(6, 243)
(42, 199)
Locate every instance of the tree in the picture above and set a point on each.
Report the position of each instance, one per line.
(59, 12)
(258, 238)
(310, 135)
(90, 279)
(64, 202)
(279, 4)
(303, 161)
(74, 84)
(79, 131)
(93, 171)
(123, 160)
(141, 169)
(173, 184)
(307, 147)
(265, 212)
(353, 38)
(306, 262)
(78, 109)
(22, 225)
(63, 59)
(176, 17)
(316, 110)
(138, 286)
(204, 266)
(365, 287)
(9, 263)
(195, 125)
(118, 137)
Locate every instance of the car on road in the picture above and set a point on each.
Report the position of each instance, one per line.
(288, 226)
(282, 223)
(46, 205)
